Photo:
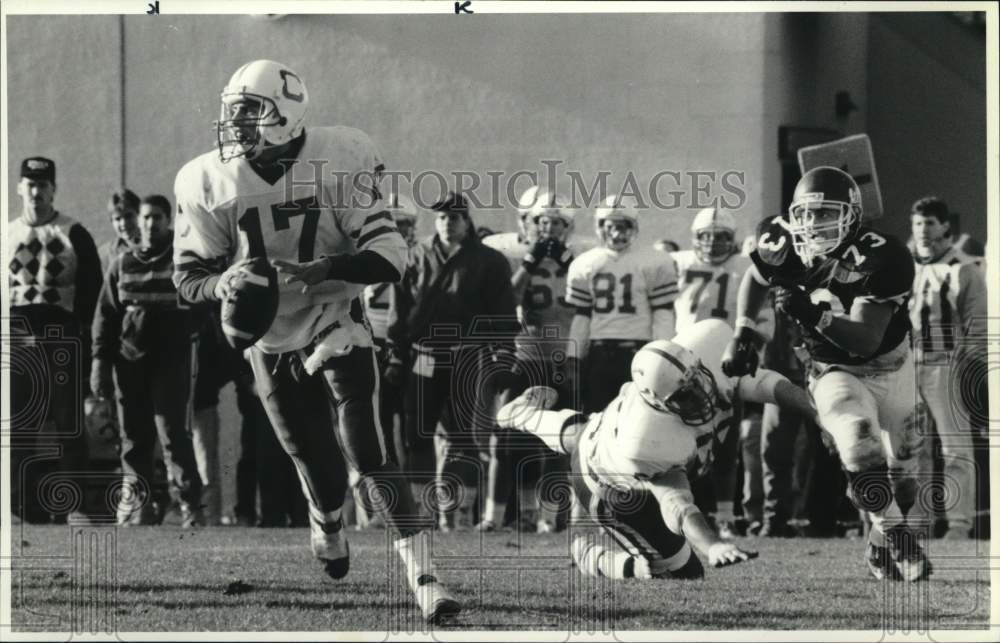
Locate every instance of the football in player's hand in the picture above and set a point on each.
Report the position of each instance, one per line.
(251, 304)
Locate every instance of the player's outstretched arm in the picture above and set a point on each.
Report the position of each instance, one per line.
(720, 553)
(769, 387)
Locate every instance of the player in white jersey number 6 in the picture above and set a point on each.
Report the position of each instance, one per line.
(631, 461)
(307, 200)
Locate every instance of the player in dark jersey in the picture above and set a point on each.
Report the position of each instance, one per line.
(847, 286)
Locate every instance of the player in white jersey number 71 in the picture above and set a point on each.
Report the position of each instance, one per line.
(631, 461)
(307, 201)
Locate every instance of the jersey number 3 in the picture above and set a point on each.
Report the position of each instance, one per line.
(281, 216)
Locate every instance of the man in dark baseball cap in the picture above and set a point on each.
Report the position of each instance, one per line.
(38, 168)
(55, 277)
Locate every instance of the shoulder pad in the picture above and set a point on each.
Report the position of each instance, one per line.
(350, 147)
(877, 251)
(194, 180)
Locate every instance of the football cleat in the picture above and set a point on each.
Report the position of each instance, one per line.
(879, 564)
(545, 527)
(191, 516)
(906, 554)
(536, 398)
(486, 526)
(436, 604)
(330, 546)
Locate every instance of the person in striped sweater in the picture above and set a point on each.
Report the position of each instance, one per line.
(146, 336)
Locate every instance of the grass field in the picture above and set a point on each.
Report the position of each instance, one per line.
(236, 579)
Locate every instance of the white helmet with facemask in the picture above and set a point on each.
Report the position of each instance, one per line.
(263, 105)
(617, 208)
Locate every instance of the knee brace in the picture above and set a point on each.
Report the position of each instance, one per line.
(870, 489)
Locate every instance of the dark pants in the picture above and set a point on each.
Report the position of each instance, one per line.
(779, 429)
(608, 366)
(455, 382)
(48, 362)
(155, 401)
(328, 417)
(632, 517)
(525, 460)
(263, 465)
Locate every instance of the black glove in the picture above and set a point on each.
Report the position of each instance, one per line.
(558, 251)
(742, 355)
(795, 303)
(534, 257)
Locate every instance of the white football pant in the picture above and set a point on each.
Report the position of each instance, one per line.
(870, 412)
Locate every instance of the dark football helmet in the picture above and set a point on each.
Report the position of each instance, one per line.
(825, 212)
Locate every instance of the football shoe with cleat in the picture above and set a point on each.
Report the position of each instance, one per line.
(330, 546)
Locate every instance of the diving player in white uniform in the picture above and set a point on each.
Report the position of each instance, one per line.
(632, 460)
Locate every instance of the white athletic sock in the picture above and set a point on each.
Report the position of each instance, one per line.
(415, 552)
(493, 511)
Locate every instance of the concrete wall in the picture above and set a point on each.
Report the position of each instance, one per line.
(616, 93)
(927, 118)
(63, 102)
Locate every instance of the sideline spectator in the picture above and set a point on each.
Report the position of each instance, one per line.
(54, 276)
(453, 288)
(948, 304)
(143, 333)
(123, 212)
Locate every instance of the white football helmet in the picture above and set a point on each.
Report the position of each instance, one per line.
(529, 198)
(617, 208)
(554, 207)
(263, 105)
(713, 235)
(672, 379)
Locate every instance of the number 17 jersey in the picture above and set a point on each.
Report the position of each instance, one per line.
(326, 203)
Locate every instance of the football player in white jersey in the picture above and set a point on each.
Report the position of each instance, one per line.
(631, 462)
(709, 274)
(624, 297)
(948, 313)
(268, 192)
(708, 277)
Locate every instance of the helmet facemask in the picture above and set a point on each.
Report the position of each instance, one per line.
(694, 401)
(241, 130)
(714, 244)
(553, 229)
(694, 396)
(625, 231)
(818, 226)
